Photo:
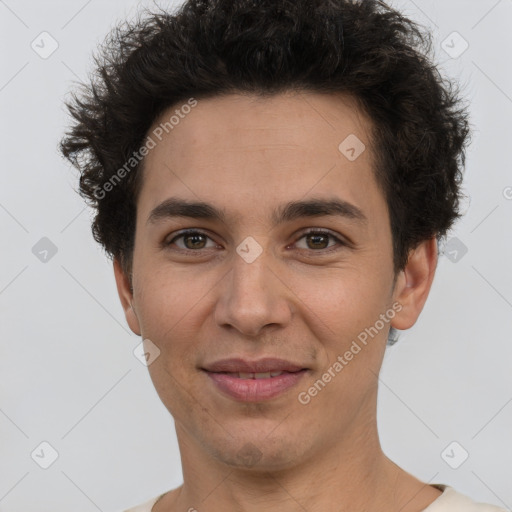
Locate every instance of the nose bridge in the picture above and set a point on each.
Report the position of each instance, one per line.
(251, 296)
(250, 276)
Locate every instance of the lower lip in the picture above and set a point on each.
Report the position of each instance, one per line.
(255, 390)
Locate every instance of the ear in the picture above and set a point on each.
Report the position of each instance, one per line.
(126, 295)
(413, 283)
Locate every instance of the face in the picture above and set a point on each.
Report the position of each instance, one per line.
(291, 259)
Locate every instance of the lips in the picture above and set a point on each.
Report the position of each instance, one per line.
(239, 365)
(258, 375)
(254, 381)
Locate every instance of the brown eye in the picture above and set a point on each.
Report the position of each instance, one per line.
(319, 240)
(192, 240)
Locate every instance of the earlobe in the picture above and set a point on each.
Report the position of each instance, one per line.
(414, 282)
(126, 296)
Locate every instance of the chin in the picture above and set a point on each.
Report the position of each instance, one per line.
(258, 452)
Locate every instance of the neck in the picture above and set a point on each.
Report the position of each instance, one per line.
(353, 474)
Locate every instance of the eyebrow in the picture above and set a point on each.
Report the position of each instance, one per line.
(293, 210)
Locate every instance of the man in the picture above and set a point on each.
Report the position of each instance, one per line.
(271, 179)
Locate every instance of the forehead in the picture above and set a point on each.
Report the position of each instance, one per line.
(261, 150)
(295, 119)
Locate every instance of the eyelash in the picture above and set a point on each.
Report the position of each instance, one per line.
(309, 232)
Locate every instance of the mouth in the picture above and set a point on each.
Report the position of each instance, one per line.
(254, 381)
(258, 375)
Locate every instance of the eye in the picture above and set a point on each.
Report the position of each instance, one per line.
(315, 240)
(318, 240)
(192, 240)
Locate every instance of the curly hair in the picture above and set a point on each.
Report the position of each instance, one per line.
(208, 48)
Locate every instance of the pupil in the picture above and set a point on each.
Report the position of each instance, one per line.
(316, 239)
(196, 238)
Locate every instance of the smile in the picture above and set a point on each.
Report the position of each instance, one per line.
(254, 387)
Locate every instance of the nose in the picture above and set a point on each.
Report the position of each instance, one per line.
(252, 297)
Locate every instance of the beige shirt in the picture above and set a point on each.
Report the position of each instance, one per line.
(449, 501)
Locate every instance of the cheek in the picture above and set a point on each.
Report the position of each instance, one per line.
(343, 301)
(344, 313)
(169, 306)
(169, 298)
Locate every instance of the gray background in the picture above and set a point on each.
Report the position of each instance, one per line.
(68, 373)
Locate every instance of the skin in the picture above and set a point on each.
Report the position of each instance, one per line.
(199, 301)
